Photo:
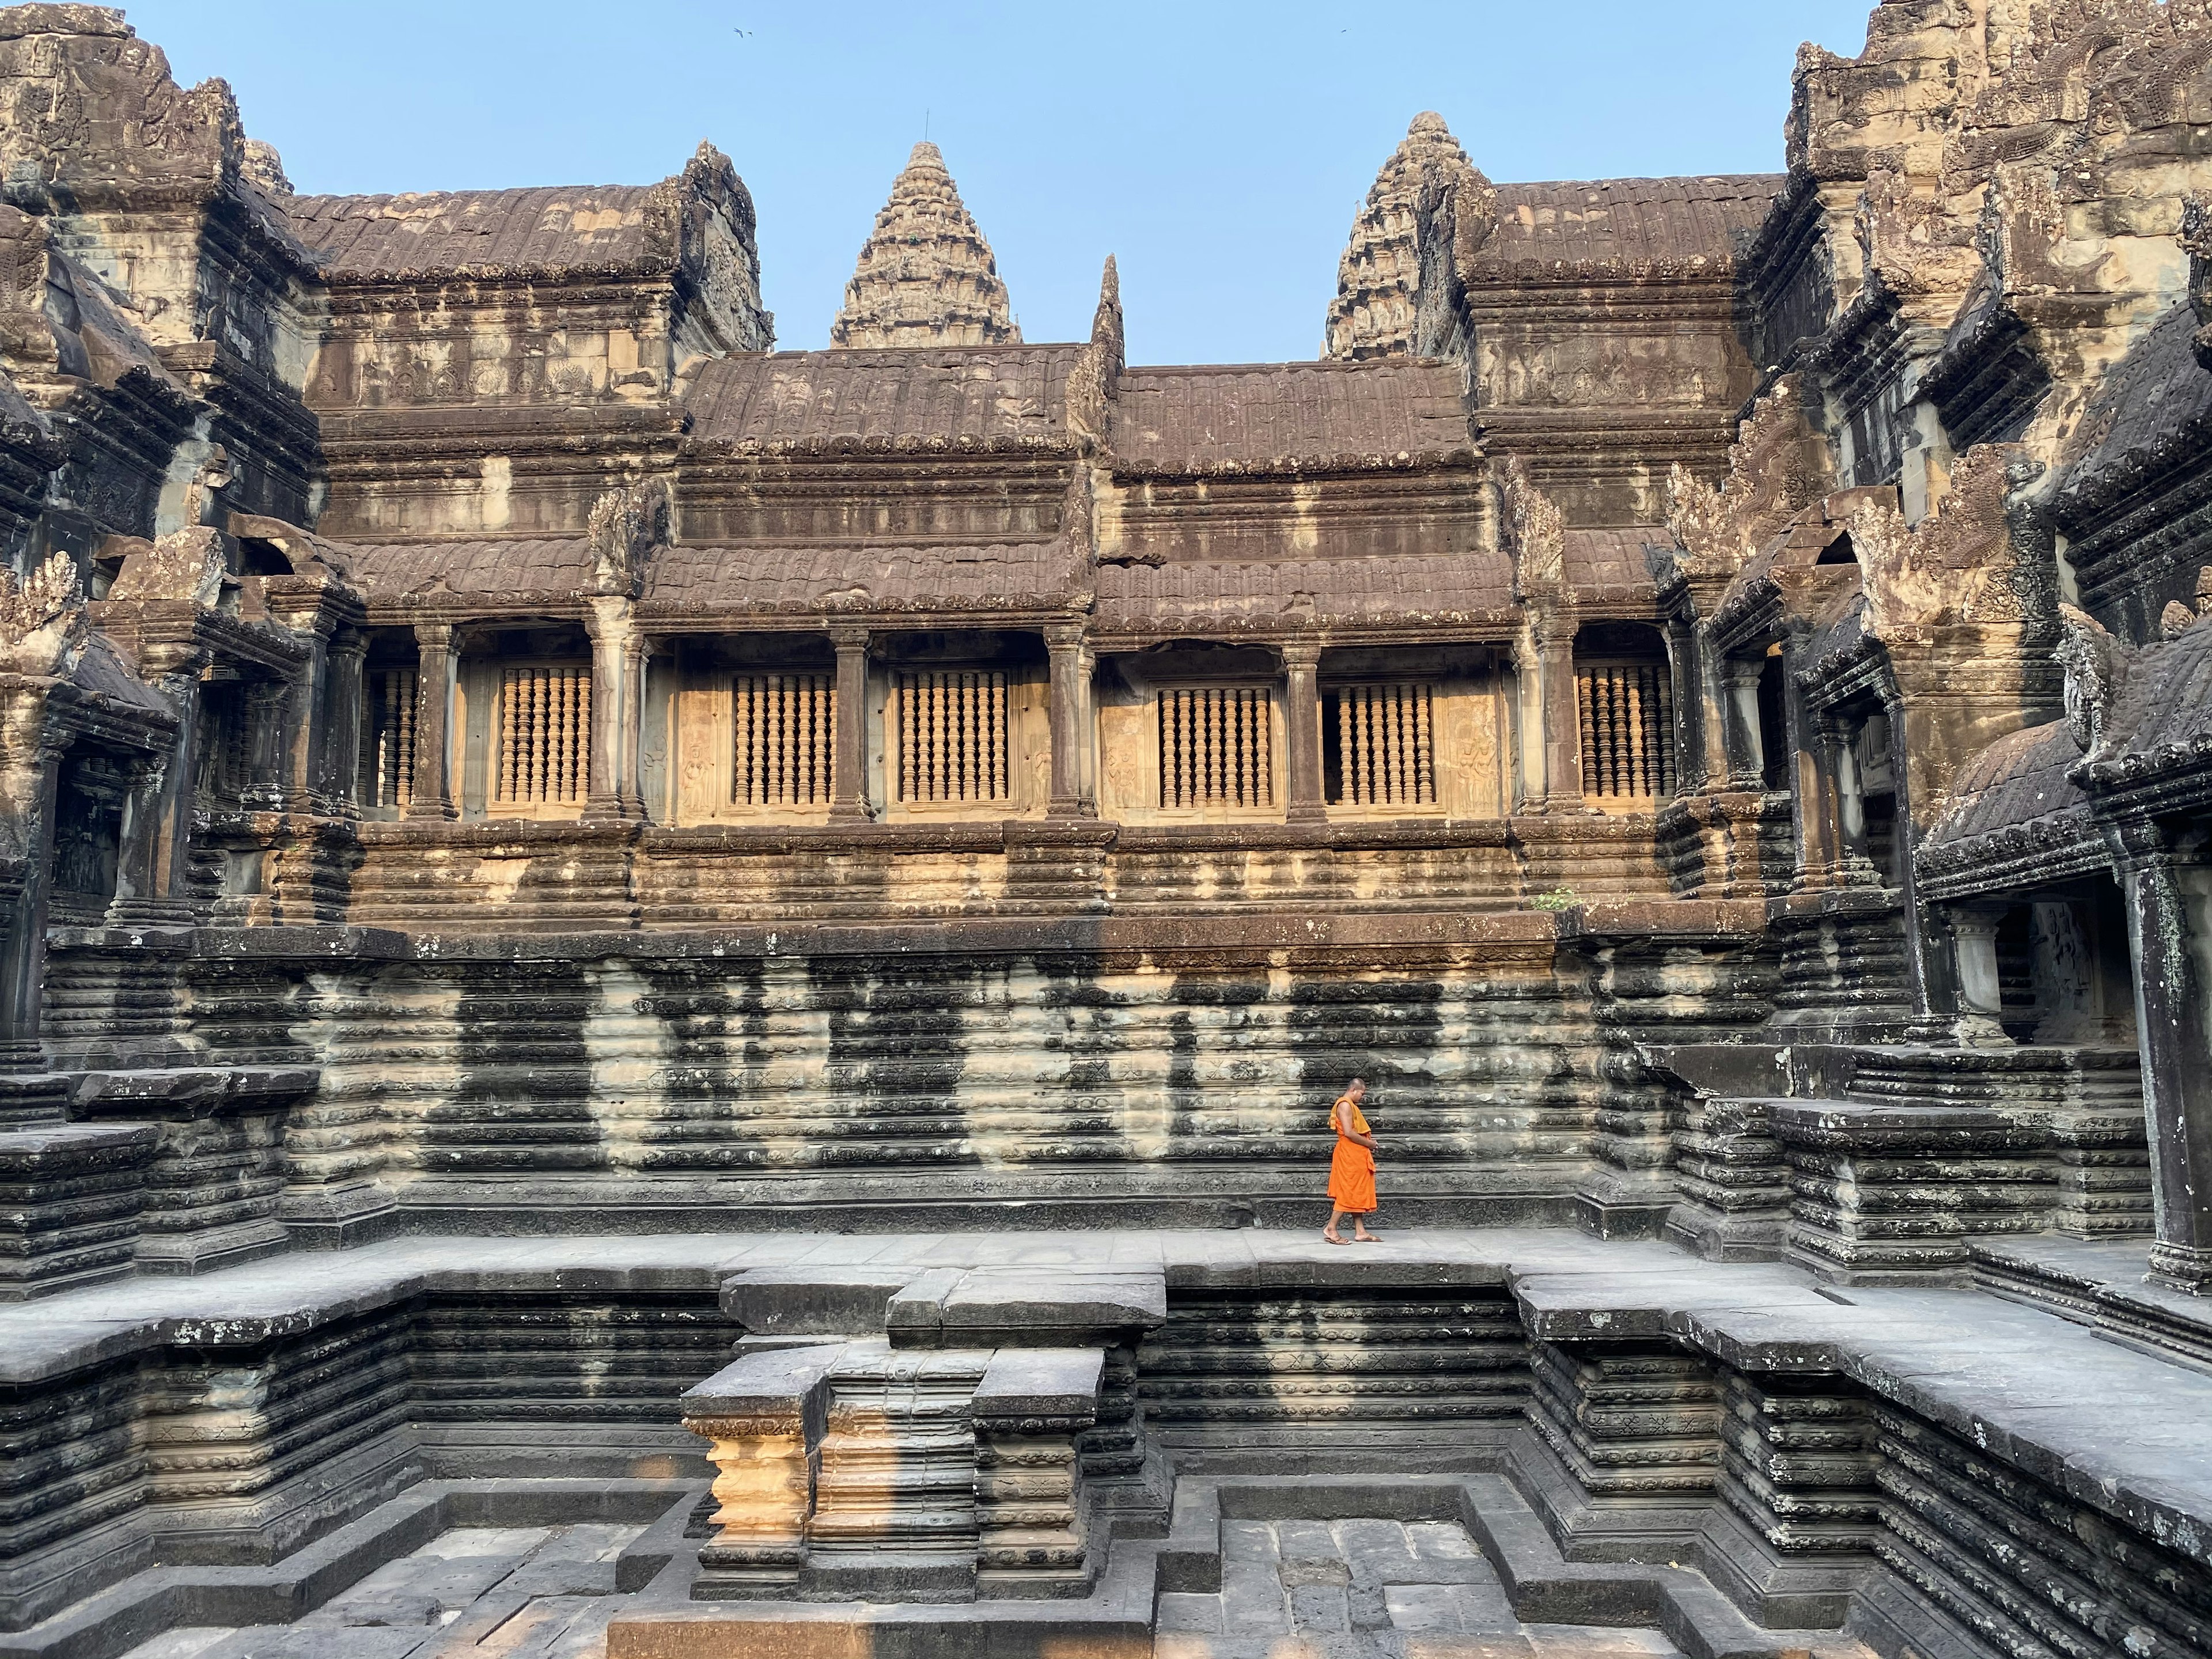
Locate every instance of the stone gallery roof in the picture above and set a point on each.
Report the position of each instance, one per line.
(1641, 223)
(2161, 721)
(475, 232)
(992, 396)
(1282, 417)
(1016, 576)
(2020, 777)
(2152, 408)
(1398, 592)
(2013, 804)
(518, 568)
(925, 276)
(1607, 567)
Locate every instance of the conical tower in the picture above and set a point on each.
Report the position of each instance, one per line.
(1378, 281)
(925, 276)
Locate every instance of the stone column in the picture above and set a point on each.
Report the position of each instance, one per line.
(172, 669)
(848, 773)
(1071, 795)
(1554, 653)
(1974, 962)
(1851, 798)
(300, 782)
(270, 781)
(1301, 733)
(435, 661)
(30, 775)
(630, 773)
(609, 626)
(2169, 900)
(1692, 751)
(339, 760)
(1745, 744)
(138, 844)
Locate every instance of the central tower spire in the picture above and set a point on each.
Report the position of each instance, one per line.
(925, 275)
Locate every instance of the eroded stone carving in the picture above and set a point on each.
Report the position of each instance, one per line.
(1777, 467)
(188, 565)
(1978, 559)
(625, 528)
(2096, 667)
(1538, 541)
(42, 617)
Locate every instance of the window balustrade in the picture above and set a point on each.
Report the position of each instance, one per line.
(952, 736)
(1217, 747)
(1385, 745)
(1627, 731)
(545, 718)
(784, 727)
(386, 779)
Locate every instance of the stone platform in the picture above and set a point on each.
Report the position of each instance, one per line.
(1087, 1442)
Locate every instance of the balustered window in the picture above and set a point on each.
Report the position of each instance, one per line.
(1216, 746)
(1379, 745)
(387, 740)
(785, 728)
(544, 733)
(952, 736)
(1628, 713)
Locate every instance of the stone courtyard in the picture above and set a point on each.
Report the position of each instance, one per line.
(665, 999)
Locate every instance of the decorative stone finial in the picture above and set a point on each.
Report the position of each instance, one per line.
(1540, 545)
(625, 526)
(925, 276)
(1090, 382)
(1402, 233)
(264, 167)
(2096, 668)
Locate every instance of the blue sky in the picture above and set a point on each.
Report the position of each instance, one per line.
(1220, 150)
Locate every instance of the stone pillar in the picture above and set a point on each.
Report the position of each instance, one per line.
(301, 780)
(138, 844)
(2169, 899)
(172, 669)
(1072, 794)
(848, 773)
(1301, 733)
(434, 675)
(1851, 798)
(629, 779)
(1693, 753)
(609, 625)
(1745, 745)
(339, 759)
(1554, 654)
(270, 706)
(1974, 969)
(30, 775)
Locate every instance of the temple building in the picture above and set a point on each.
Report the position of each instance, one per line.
(715, 974)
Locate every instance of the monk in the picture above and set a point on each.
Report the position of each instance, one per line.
(1352, 1170)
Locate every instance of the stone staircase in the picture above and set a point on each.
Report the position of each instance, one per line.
(1881, 1163)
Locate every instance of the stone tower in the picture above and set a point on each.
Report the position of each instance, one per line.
(1378, 281)
(925, 275)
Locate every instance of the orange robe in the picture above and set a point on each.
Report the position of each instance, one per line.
(1352, 1170)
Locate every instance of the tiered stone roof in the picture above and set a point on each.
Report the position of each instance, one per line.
(924, 276)
(1379, 278)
